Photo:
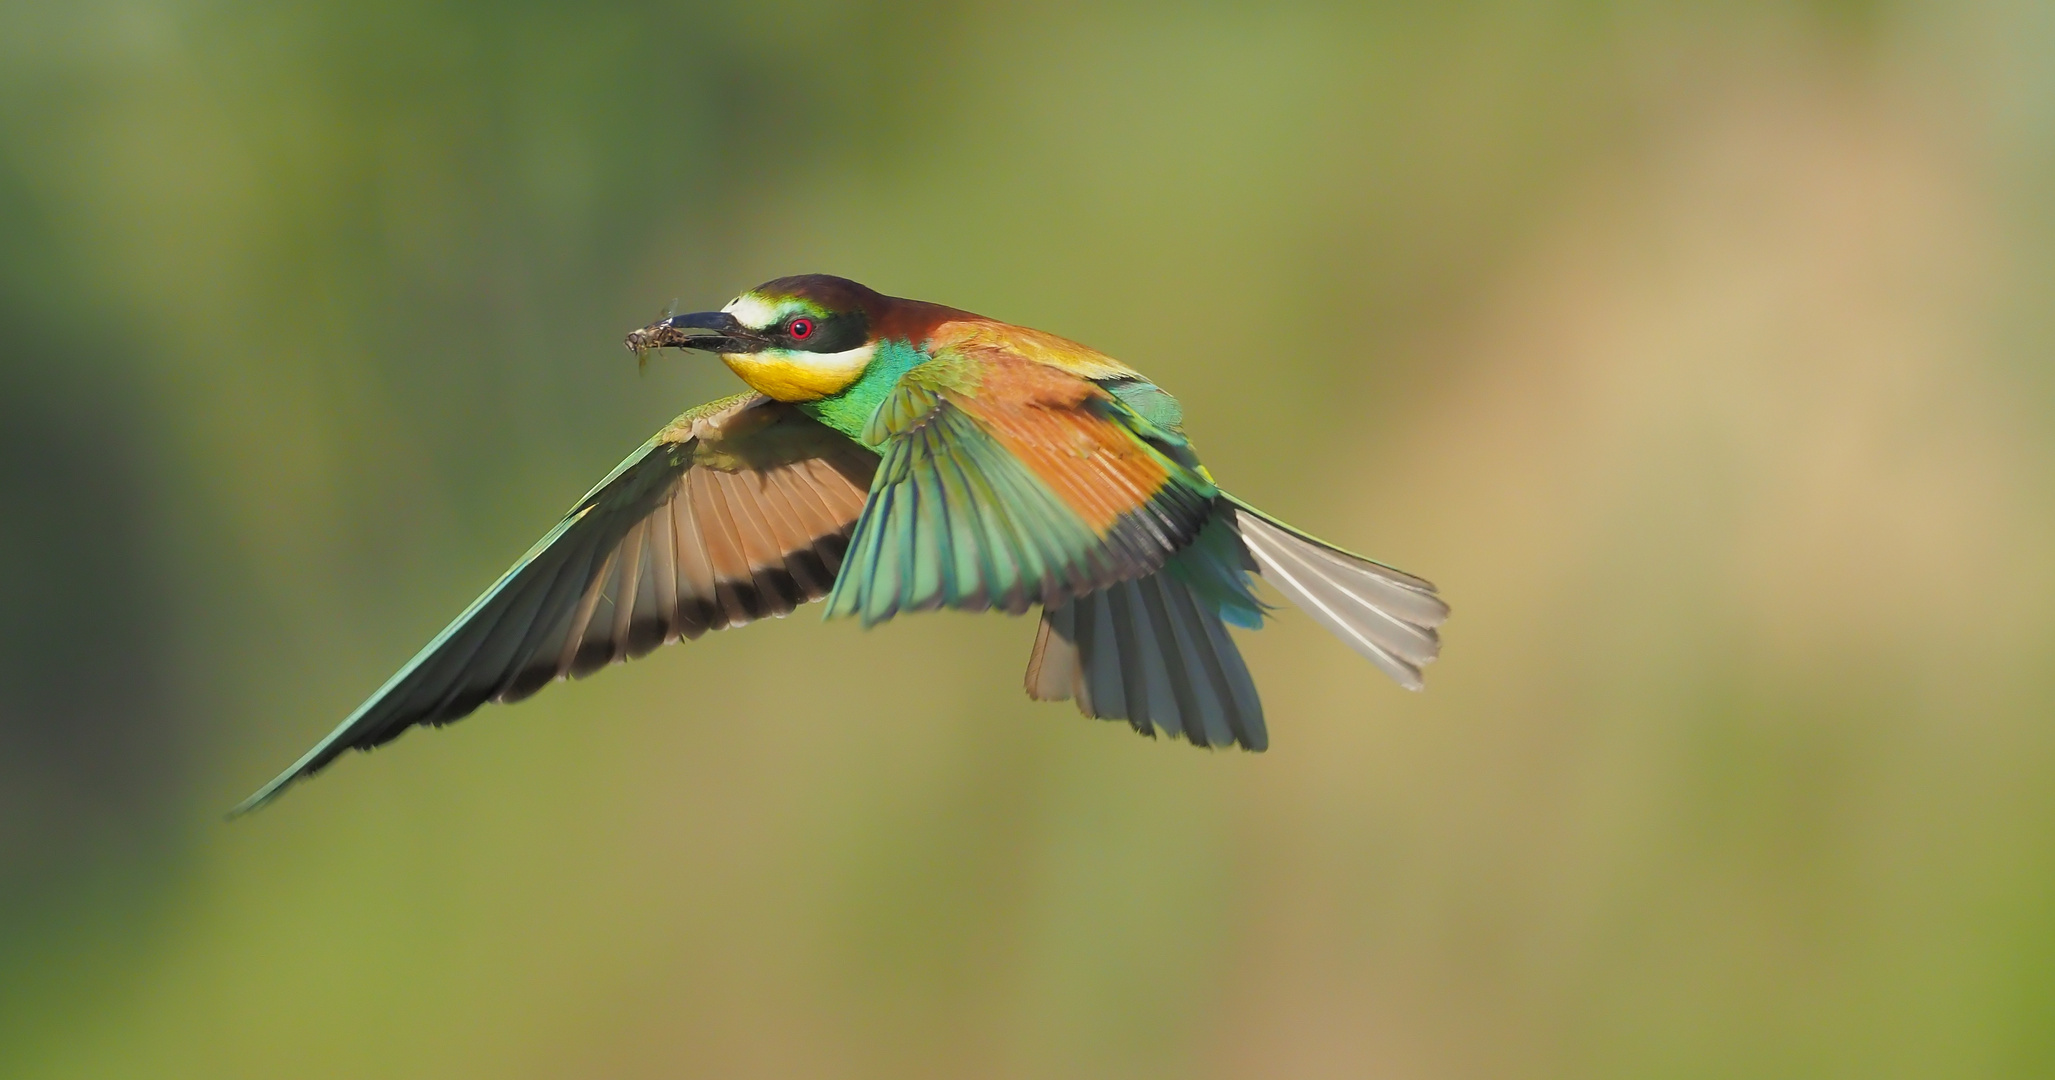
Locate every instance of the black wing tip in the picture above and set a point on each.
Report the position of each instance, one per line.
(313, 761)
(263, 796)
(1150, 729)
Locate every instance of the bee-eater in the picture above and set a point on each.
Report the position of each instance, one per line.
(894, 456)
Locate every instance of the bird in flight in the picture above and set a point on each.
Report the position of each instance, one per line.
(897, 456)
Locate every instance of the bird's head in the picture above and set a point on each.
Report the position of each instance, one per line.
(795, 339)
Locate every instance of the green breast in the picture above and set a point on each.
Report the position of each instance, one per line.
(848, 411)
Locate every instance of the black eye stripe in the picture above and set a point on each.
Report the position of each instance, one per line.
(830, 332)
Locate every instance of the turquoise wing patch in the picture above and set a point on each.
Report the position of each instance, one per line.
(955, 519)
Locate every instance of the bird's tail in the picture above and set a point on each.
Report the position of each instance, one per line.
(1385, 614)
(1155, 653)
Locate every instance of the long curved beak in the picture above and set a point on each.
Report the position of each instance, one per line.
(724, 334)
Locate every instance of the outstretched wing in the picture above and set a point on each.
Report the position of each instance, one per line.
(739, 509)
(1011, 477)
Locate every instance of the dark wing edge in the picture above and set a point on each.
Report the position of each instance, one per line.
(1151, 652)
(739, 510)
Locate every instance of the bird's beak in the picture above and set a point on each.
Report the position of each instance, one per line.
(725, 334)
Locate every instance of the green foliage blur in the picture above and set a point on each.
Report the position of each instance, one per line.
(1700, 352)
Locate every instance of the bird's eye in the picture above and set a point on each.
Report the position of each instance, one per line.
(800, 329)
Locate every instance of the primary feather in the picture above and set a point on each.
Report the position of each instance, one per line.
(738, 510)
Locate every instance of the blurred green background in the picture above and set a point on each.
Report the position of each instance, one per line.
(1700, 352)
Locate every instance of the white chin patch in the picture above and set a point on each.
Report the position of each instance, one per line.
(752, 312)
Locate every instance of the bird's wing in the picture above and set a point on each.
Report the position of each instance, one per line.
(739, 509)
(1155, 651)
(1009, 480)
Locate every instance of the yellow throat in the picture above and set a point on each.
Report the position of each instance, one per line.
(794, 375)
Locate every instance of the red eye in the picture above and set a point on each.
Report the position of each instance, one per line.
(800, 329)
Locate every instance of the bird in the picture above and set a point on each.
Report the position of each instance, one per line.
(895, 456)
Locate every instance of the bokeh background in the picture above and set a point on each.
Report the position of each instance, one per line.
(1700, 352)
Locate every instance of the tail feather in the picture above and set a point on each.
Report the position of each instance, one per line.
(1156, 653)
(1153, 654)
(1385, 614)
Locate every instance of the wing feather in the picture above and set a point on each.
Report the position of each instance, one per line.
(663, 565)
(699, 604)
(629, 589)
(1006, 483)
(1151, 652)
(740, 509)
